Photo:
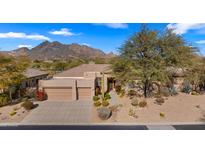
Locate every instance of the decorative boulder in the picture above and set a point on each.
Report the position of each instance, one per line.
(104, 113)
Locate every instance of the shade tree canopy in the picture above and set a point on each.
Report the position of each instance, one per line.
(147, 54)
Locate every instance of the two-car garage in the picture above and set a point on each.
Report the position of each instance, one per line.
(65, 93)
(68, 90)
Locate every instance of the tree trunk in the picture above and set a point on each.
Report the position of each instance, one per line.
(145, 88)
(10, 95)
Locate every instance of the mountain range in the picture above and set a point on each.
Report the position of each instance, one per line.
(56, 50)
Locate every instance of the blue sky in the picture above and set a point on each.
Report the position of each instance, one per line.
(107, 37)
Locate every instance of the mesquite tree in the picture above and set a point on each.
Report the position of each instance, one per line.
(145, 56)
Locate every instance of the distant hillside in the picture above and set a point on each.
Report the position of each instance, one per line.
(56, 50)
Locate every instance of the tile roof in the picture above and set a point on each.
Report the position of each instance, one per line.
(79, 70)
(31, 72)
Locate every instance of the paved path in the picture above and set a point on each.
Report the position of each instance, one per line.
(115, 99)
(59, 113)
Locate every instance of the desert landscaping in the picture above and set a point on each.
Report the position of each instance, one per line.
(12, 113)
(182, 108)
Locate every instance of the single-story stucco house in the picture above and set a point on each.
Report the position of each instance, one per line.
(78, 83)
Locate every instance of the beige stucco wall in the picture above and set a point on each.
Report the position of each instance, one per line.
(93, 75)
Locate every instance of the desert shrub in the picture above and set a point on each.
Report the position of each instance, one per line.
(159, 101)
(4, 99)
(104, 113)
(132, 113)
(40, 95)
(107, 96)
(134, 102)
(186, 88)
(122, 93)
(194, 93)
(161, 114)
(97, 103)
(142, 103)
(164, 91)
(12, 113)
(118, 89)
(105, 103)
(28, 105)
(95, 98)
(173, 91)
(132, 93)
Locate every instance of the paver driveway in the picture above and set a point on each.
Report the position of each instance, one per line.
(60, 113)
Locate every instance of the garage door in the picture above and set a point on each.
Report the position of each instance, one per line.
(61, 94)
(84, 93)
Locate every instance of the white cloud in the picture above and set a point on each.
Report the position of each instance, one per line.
(184, 28)
(24, 45)
(64, 32)
(86, 44)
(23, 36)
(115, 25)
(200, 42)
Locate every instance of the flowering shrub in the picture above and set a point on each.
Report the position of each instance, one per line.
(40, 95)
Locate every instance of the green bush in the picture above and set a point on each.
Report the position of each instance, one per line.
(28, 105)
(95, 98)
(122, 93)
(142, 103)
(12, 113)
(161, 114)
(97, 103)
(107, 96)
(186, 88)
(4, 99)
(173, 91)
(194, 93)
(105, 103)
(132, 113)
(134, 102)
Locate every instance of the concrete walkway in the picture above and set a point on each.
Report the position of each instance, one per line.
(115, 99)
(59, 113)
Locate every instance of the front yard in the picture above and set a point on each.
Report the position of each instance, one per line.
(182, 108)
(12, 113)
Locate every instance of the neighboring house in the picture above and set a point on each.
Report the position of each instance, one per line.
(32, 78)
(78, 83)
